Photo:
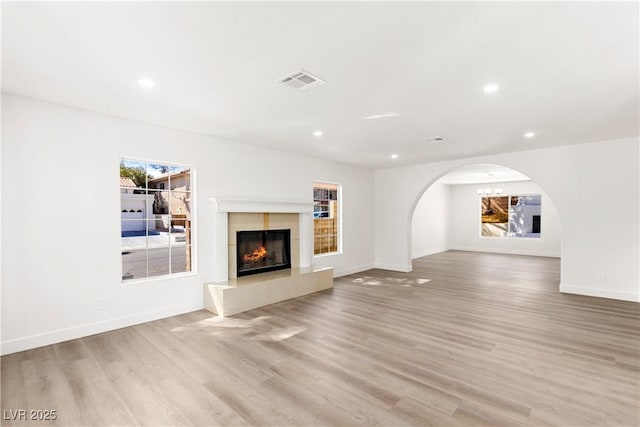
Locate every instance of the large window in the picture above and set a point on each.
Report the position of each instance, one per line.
(511, 216)
(155, 215)
(326, 214)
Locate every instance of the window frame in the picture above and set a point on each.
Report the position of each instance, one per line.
(508, 234)
(193, 225)
(339, 234)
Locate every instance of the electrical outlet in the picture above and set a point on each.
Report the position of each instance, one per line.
(101, 303)
(601, 276)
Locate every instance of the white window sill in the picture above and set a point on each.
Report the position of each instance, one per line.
(328, 254)
(158, 278)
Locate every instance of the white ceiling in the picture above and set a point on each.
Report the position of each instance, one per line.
(482, 173)
(567, 71)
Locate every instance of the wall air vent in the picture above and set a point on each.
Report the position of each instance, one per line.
(301, 80)
(436, 139)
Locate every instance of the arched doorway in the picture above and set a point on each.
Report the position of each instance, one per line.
(484, 208)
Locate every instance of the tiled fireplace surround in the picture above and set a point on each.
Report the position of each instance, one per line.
(229, 295)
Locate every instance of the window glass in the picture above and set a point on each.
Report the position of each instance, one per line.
(511, 216)
(326, 214)
(155, 217)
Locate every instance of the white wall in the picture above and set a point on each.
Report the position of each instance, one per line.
(594, 187)
(61, 217)
(61, 245)
(465, 223)
(430, 224)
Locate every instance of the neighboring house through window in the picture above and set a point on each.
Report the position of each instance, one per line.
(326, 213)
(511, 216)
(155, 215)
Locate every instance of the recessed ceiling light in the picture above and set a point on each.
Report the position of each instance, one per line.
(146, 83)
(394, 156)
(318, 133)
(529, 135)
(491, 88)
(382, 116)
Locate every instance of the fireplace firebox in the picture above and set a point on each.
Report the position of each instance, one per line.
(260, 251)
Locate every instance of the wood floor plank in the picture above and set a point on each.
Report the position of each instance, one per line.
(98, 401)
(44, 381)
(13, 390)
(465, 339)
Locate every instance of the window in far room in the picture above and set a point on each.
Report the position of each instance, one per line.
(155, 219)
(326, 218)
(511, 216)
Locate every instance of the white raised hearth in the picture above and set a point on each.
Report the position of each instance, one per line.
(229, 295)
(249, 292)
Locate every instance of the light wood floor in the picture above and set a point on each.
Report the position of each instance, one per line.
(487, 341)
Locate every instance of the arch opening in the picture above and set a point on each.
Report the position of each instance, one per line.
(447, 214)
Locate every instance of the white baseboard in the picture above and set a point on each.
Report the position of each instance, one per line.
(505, 251)
(61, 335)
(428, 252)
(392, 267)
(599, 292)
(339, 272)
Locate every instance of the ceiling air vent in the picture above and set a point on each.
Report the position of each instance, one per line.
(436, 139)
(301, 80)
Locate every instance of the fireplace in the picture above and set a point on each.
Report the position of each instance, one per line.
(260, 251)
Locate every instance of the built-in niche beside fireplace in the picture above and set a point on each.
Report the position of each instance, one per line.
(259, 251)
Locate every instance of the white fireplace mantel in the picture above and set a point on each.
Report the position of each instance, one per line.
(223, 205)
(259, 204)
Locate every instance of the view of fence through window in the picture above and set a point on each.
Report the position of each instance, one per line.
(155, 216)
(326, 223)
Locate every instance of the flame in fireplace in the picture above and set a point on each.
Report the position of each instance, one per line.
(256, 255)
